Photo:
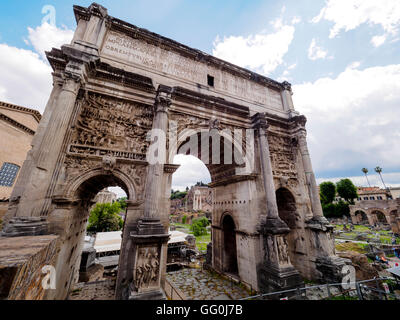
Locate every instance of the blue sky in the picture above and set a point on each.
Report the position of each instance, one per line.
(341, 56)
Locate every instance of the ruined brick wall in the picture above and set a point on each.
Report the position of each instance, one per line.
(21, 263)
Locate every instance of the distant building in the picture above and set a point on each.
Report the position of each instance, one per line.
(199, 198)
(17, 127)
(395, 192)
(372, 193)
(105, 196)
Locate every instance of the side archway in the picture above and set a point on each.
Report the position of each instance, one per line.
(229, 260)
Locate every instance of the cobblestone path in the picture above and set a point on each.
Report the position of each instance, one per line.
(99, 290)
(199, 284)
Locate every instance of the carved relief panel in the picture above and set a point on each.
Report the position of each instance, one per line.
(146, 274)
(110, 126)
(283, 156)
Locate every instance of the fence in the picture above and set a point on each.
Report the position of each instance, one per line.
(358, 290)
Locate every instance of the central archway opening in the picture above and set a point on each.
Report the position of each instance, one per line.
(93, 239)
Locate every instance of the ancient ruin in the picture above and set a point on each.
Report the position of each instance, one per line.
(377, 212)
(113, 85)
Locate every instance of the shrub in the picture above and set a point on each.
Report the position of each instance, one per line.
(198, 226)
(104, 218)
(184, 219)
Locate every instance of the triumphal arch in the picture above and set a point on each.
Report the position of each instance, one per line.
(124, 102)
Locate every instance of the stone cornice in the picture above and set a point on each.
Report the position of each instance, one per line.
(104, 71)
(169, 44)
(34, 113)
(186, 95)
(16, 124)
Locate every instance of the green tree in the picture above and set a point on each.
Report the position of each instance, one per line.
(184, 219)
(178, 194)
(122, 202)
(104, 217)
(198, 226)
(327, 192)
(347, 190)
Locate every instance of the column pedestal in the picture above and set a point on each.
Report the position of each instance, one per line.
(148, 242)
(277, 272)
(25, 226)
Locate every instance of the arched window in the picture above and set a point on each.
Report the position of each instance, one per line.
(8, 172)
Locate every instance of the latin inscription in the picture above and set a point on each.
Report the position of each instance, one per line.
(134, 51)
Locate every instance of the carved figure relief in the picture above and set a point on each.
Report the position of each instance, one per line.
(282, 250)
(111, 124)
(147, 269)
(283, 156)
(136, 173)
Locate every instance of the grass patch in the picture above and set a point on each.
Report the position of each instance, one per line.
(201, 241)
(351, 246)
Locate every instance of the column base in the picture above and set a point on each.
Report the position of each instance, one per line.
(331, 267)
(25, 226)
(318, 223)
(151, 295)
(147, 260)
(279, 279)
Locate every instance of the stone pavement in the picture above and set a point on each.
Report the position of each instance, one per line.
(199, 284)
(98, 290)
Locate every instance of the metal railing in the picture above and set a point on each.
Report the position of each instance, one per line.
(358, 291)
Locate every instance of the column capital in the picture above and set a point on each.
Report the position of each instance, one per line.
(287, 86)
(300, 121)
(259, 121)
(163, 99)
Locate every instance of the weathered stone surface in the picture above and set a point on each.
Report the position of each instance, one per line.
(114, 83)
(21, 263)
(364, 271)
(93, 273)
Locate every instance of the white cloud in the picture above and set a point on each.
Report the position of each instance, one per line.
(378, 40)
(47, 36)
(354, 119)
(26, 79)
(349, 14)
(27, 71)
(315, 52)
(191, 171)
(262, 52)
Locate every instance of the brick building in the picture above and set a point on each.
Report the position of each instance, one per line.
(17, 127)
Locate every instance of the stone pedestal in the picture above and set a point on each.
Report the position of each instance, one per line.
(25, 226)
(148, 243)
(277, 273)
(326, 262)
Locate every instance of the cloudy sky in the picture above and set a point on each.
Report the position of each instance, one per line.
(341, 56)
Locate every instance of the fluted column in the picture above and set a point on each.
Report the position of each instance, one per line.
(260, 124)
(154, 184)
(308, 170)
(40, 171)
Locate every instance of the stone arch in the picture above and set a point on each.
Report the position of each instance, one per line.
(100, 178)
(246, 165)
(379, 216)
(287, 211)
(70, 216)
(393, 215)
(286, 206)
(361, 217)
(229, 260)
